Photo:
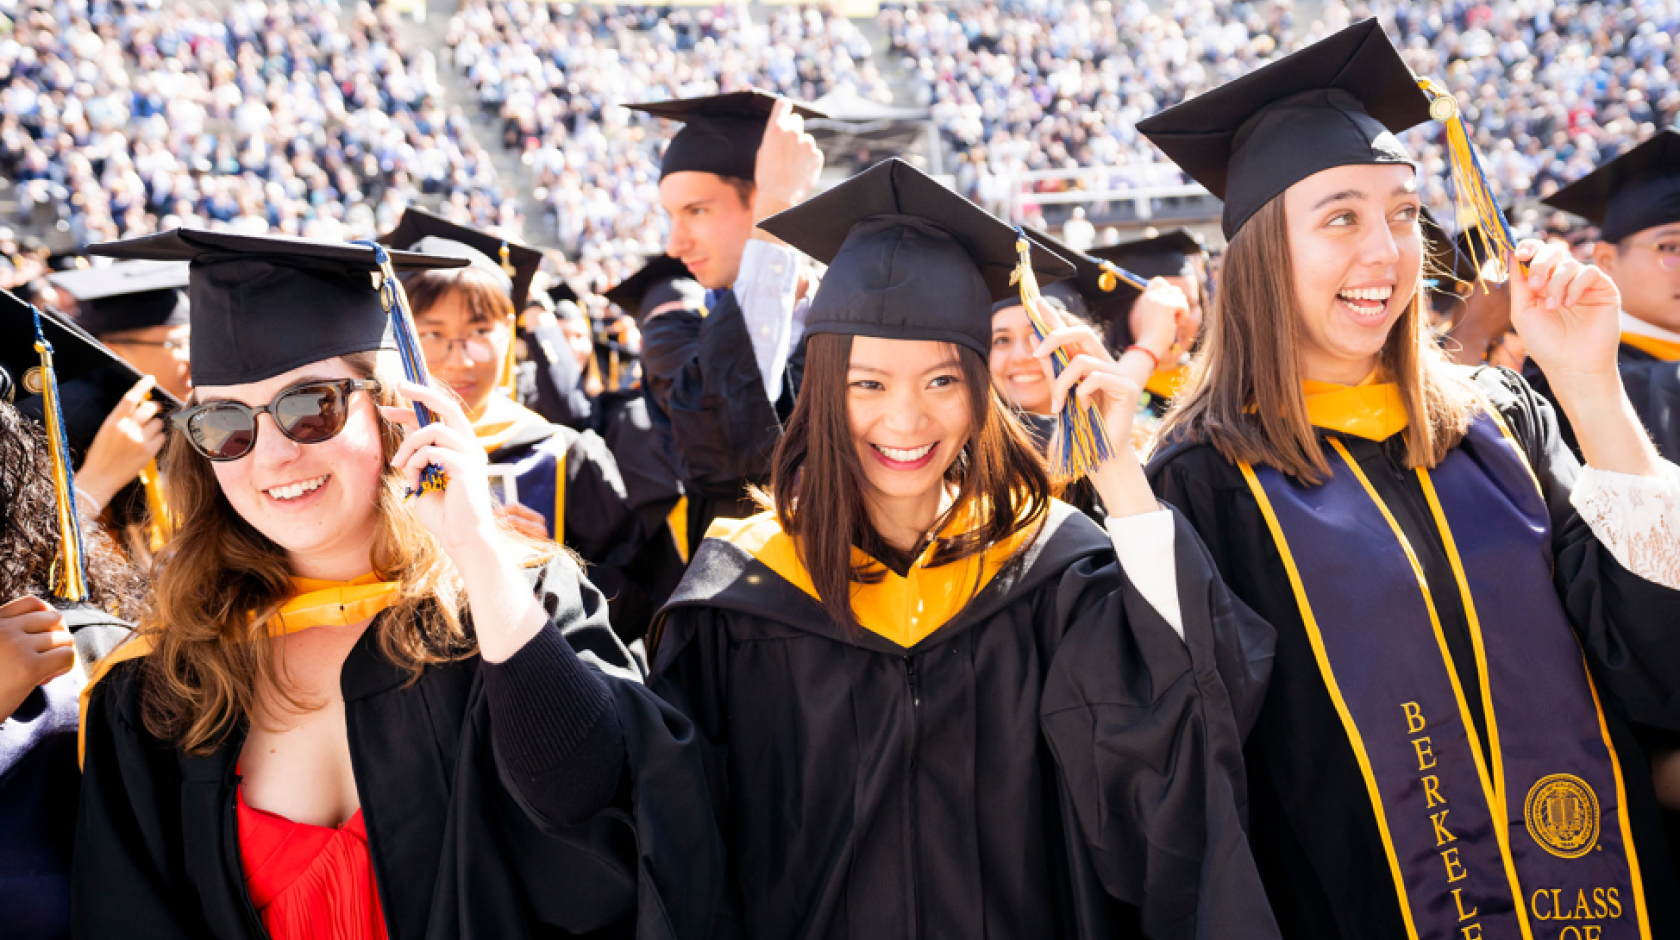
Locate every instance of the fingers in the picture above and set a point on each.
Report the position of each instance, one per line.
(1585, 279)
(443, 404)
(27, 604)
(138, 393)
(55, 663)
(1076, 340)
(1121, 391)
(1072, 374)
(397, 414)
(434, 435)
(47, 642)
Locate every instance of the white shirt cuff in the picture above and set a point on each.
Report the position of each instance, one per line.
(1144, 545)
(1636, 518)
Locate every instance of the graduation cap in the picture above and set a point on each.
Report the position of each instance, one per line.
(130, 295)
(907, 258)
(1633, 192)
(1338, 102)
(662, 280)
(721, 133)
(1168, 254)
(1097, 290)
(511, 264)
(91, 378)
(263, 305)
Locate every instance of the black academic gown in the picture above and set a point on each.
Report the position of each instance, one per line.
(459, 846)
(550, 382)
(1314, 833)
(1653, 386)
(702, 376)
(647, 463)
(1052, 762)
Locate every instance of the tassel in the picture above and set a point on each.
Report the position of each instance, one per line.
(1081, 439)
(507, 261)
(510, 366)
(70, 583)
(1113, 274)
(391, 295)
(161, 524)
(1473, 200)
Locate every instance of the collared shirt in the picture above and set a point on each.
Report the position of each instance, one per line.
(765, 288)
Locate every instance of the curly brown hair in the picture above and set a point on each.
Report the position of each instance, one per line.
(29, 536)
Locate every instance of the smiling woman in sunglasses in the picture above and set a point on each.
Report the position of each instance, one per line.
(356, 712)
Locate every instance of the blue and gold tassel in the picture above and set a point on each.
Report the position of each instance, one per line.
(1112, 275)
(432, 479)
(70, 581)
(1081, 439)
(1473, 200)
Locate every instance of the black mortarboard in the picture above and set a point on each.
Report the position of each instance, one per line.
(720, 134)
(1638, 190)
(131, 295)
(512, 264)
(1093, 291)
(1168, 254)
(662, 280)
(1338, 102)
(907, 258)
(263, 305)
(91, 378)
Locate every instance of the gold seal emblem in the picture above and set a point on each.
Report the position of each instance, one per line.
(1562, 815)
(32, 381)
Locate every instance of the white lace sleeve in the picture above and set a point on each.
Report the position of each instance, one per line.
(1636, 518)
(1144, 544)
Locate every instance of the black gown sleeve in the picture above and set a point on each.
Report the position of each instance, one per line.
(558, 393)
(1147, 734)
(1626, 623)
(701, 371)
(635, 770)
(127, 871)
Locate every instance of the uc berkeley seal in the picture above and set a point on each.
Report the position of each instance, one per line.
(1562, 814)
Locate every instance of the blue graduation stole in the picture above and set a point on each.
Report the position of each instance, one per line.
(1537, 845)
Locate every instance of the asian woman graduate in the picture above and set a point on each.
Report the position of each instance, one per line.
(566, 484)
(355, 713)
(1467, 619)
(933, 702)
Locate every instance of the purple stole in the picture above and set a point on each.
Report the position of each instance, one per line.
(1537, 845)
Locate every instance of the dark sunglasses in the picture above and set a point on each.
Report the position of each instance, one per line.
(308, 413)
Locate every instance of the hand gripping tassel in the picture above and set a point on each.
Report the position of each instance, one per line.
(1081, 441)
(70, 581)
(391, 295)
(1473, 200)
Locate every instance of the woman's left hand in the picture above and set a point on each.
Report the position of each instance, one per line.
(1568, 314)
(463, 515)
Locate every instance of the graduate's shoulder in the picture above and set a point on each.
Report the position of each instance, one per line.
(1191, 463)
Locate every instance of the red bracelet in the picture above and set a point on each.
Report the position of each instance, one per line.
(1155, 361)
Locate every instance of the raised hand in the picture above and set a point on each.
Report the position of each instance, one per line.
(131, 435)
(788, 165)
(1162, 323)
(463, 516)
(1567, 313)
(1095, 378)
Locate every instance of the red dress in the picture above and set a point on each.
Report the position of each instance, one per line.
(309, 882)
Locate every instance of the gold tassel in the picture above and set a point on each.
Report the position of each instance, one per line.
(507, 261)
(161, 525)
(1473, 201)
(70, 581)
(510, 365)
(1081, 439)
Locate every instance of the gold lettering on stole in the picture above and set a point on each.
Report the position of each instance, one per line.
(1456, 872)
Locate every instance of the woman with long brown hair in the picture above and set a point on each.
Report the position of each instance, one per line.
(934, 702)
(1467, 620)
(362, 707)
